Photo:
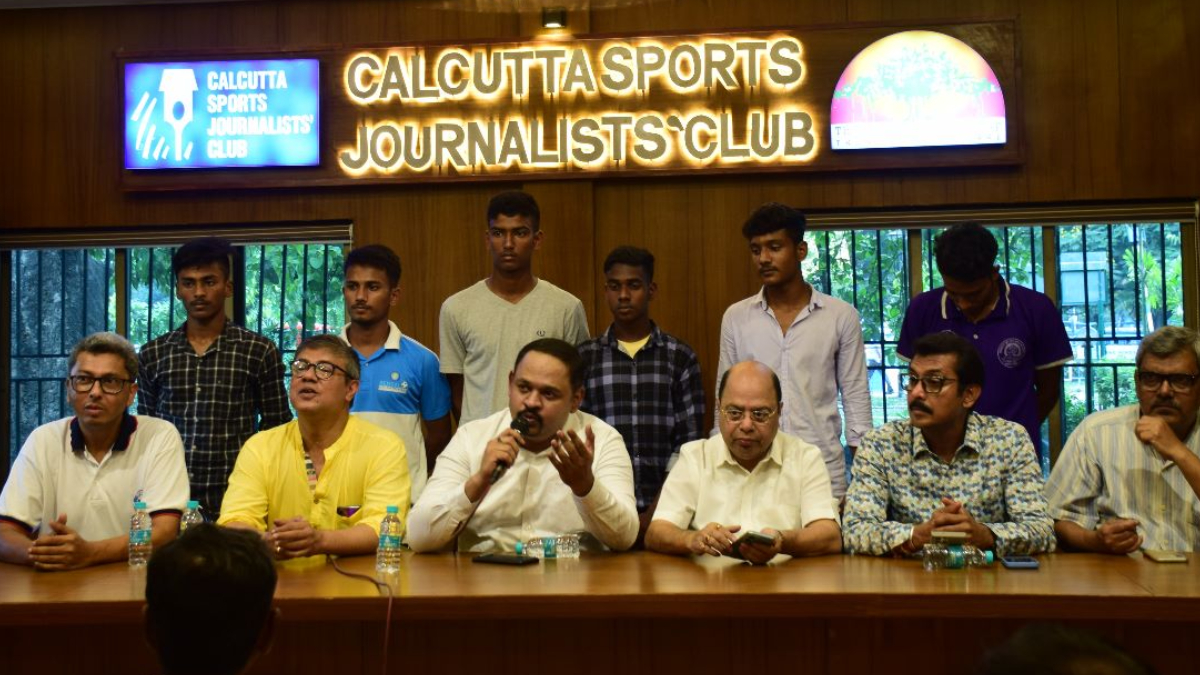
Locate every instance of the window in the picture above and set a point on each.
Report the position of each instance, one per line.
(1115, 283)
(286, 292)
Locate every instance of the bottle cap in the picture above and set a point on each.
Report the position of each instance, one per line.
(989, 556)
(393, 509)
(520, 548)
(139, 504)
(193, 504)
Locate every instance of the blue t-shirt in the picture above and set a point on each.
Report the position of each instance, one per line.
(1023, 334)
(402, 384)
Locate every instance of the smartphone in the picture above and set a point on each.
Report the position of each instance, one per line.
(505, 559)
(750, 536)
(1164, 556)
(945, 537)
(1019, 562)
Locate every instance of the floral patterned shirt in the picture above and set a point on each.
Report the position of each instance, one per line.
(899, 482)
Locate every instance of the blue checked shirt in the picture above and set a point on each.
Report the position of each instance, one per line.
(899, 482)
(216, 401)
(656, 401)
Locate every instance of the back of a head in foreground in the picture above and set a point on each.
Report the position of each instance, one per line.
(208, 601)
(1052, 649)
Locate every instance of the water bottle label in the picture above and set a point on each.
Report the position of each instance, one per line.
(389, 541)
(139, 537)
(955, 558)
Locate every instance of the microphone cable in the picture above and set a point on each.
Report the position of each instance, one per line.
(383, 587)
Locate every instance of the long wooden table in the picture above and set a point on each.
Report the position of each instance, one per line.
(634, 613)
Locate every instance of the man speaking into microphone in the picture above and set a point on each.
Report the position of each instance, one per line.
(495, 485)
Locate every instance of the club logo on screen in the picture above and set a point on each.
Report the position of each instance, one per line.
(221, 114)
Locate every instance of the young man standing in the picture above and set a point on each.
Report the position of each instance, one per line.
(811, 340)
(484, 326)
(642, 381)
(402, 389)
(1018, 331)
(217, 383)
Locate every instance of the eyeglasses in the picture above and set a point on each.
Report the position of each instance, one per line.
(1180, 382)
(108, 384)
(758, 415)
(932, 383)
(323, 369)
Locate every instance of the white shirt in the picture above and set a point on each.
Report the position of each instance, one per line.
(50, 477)
(530, 499)
(787, 490)
(821, 355)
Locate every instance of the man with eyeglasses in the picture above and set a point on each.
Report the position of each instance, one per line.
(750, 478)
(1018, 331)
(812, 340)
(321, 483)
(1129, 477)
(71, 492)
(483, 326)
(946, 467)
(216, 382)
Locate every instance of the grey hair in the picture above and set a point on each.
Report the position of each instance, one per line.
(106, 343)
(332, 343)
(1169, 341)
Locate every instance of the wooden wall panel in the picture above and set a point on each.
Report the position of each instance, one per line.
(1109, 89)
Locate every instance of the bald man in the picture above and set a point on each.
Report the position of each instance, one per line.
(750, 478)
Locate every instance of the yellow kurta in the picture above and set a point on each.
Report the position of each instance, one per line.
(365, 471)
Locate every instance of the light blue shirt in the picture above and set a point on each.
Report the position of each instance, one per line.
(401, 384)
(820, 356)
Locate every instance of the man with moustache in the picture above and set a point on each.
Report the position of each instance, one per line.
(482, 327)
(750, 478)
(401, 387)
(216, 382)
(1018, 331)
(70, 495)
(568, 472)
(812, 340)
(947, 467)
(321, 483)
(1129, 477)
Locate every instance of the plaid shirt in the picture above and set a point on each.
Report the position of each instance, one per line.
(656, 401)
(216, 401)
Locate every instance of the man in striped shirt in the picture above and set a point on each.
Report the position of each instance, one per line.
(217, 383)
(1129, 477)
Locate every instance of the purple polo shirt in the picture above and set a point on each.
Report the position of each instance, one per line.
(1023, 334)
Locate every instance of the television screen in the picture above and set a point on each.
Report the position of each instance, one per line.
(917, 89)
(222, 114)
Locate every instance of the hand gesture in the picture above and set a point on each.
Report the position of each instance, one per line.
(713, 539)
(1119, 536)
(294, 538)
(1155, 432)
(500, 451)
(63, 550)
(573, 459)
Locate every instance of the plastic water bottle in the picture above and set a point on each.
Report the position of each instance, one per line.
(539, 547)
(140, 545)
(953, 556)
(192, 515)
(387, 557)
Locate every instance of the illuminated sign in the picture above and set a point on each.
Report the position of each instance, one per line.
(221, 114)
(917, 89)
(592, 105)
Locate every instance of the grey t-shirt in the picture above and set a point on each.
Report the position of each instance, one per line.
(481, 334)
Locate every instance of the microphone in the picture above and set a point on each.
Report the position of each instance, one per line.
(521, 426)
